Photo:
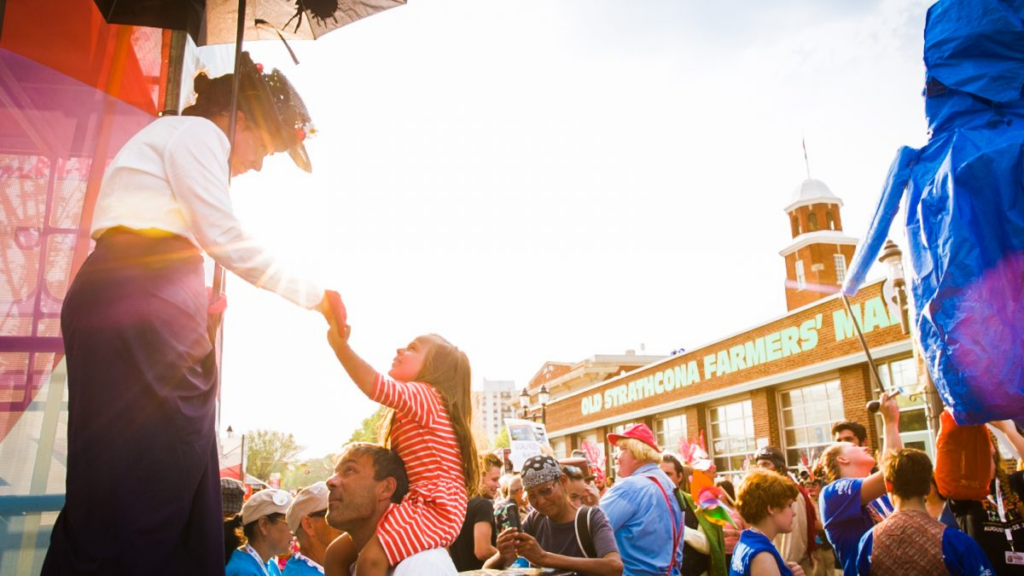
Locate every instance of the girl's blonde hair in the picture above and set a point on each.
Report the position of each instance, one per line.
(446, 368)
(827, 468)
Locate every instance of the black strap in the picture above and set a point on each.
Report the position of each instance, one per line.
(583, 535)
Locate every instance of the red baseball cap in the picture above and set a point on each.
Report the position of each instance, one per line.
(637, 432)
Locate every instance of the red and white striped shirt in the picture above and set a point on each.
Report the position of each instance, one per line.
(431, 515)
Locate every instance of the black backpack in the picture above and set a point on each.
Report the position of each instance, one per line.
(583, 535)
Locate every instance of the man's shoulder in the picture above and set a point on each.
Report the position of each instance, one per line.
(434, 562)
(638, 492)
(597, 516)
(640, 481)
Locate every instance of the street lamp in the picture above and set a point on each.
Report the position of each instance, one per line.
(543, 396)
(892, 257)
(241, 458)
(524, 401)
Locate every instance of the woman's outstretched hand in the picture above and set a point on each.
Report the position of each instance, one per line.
(334, 311)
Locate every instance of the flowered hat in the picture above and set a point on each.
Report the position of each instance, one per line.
(278, 108)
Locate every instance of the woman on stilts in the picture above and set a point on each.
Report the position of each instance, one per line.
(143, 493)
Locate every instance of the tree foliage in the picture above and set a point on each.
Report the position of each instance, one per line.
(501, 440)
(367, 432)
(308, 472)
(269, 451)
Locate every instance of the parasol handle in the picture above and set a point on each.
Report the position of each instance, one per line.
(236, 81)
(218, 270)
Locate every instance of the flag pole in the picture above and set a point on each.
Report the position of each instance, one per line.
(807, 163)
(863, 342)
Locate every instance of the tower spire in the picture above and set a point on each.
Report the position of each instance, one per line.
(807, 163)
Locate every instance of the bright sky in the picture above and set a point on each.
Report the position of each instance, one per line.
(542, 180)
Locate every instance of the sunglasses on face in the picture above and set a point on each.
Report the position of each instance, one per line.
(537, 492)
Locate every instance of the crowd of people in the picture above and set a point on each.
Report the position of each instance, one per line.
(848, 514)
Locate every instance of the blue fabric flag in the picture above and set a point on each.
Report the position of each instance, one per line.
(963, 196)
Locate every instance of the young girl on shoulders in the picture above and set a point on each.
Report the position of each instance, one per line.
(428, 392)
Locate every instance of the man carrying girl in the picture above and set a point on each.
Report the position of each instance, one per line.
(428, 392)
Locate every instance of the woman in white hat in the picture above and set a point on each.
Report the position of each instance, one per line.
(142, 372)
(263, 535)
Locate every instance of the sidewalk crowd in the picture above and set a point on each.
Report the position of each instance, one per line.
(849, 514)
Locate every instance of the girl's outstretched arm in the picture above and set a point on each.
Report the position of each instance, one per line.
(361, 373)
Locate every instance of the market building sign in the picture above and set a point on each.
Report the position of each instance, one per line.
(785, 342)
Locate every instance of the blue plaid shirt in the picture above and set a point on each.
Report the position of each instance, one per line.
(643, 522)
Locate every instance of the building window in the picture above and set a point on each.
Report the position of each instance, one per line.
(796, 226)
(914, 425)
(670, 431)
(558, 445)
(830, 220)
(840, 262)
(732, 436)
(807, 417)
(620, 428)
(812, 221)
(801, 280)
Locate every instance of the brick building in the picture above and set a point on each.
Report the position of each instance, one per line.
(782, 382)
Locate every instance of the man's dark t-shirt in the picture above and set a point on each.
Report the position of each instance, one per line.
(561, 538)
(980, 520)
(479, 510)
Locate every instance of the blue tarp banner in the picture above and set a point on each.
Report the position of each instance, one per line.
(963, 197)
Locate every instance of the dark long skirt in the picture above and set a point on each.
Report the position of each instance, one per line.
(143, 493)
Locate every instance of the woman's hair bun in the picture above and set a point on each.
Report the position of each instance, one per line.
(202, 83)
